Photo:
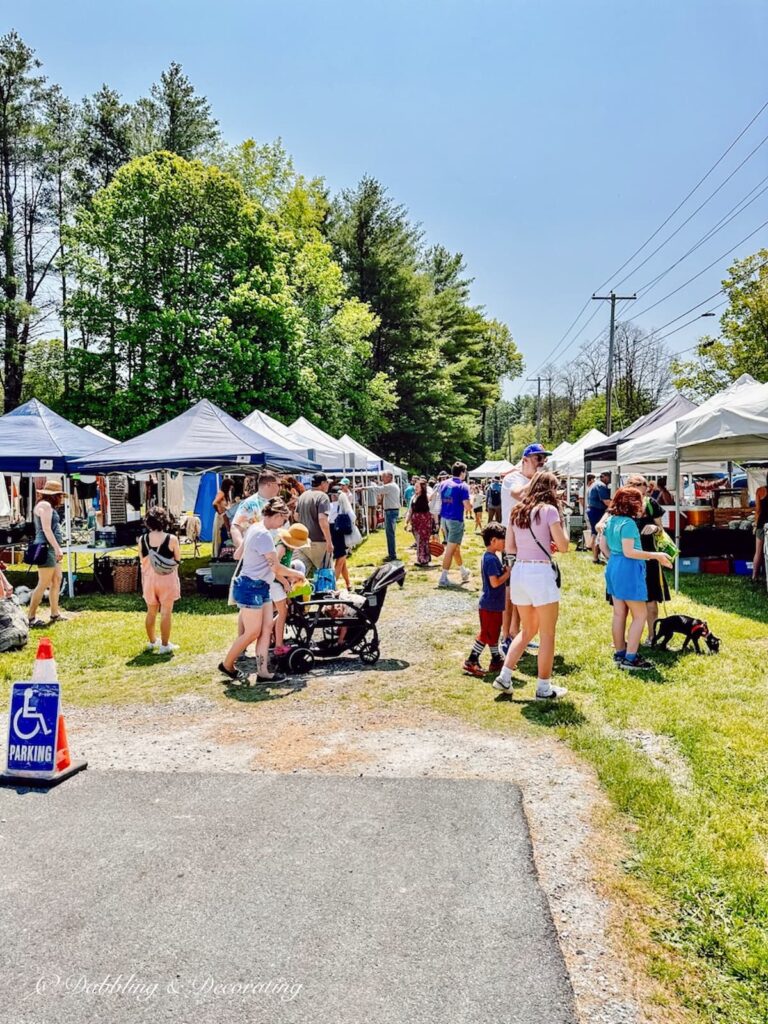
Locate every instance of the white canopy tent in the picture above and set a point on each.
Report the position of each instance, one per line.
(650, 452)
(369, 460)
(736, 430)
(561, 449)
(492, 468)
(269, 427)
(571, 462)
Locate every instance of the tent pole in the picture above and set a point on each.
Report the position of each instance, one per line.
(68, 528)
(678, 488)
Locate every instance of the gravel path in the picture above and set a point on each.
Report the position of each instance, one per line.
(327, 725)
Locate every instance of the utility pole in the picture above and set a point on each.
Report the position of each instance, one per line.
(538, 403)
(613, 299)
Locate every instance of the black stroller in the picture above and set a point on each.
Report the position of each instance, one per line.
(312, 630)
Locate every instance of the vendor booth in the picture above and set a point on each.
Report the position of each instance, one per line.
(721, 527)
(571, 462)
(36, 442)
(602, 456)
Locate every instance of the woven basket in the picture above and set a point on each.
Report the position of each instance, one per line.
(125, 577)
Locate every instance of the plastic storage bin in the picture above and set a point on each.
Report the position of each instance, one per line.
(741, 567)
(716, 566)
(690, 565)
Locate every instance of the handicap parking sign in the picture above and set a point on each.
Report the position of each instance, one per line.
(32, 724)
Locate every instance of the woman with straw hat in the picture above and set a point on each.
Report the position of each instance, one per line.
(47, 535)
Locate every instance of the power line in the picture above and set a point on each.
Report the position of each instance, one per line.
(723, 222)
(708, 267)
(692, 215)
(682, 203)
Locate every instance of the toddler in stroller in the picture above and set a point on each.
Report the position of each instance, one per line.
(329, 624)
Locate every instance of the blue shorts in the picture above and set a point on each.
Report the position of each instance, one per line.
(249, 593)
(594, 515)
(453, 530)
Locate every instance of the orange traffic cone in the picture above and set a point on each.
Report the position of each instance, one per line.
(63, 760)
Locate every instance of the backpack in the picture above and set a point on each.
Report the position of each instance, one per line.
(494, 495)
(436, 501)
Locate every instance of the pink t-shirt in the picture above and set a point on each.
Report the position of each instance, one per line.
(541, 520)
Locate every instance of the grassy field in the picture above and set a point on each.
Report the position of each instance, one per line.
(681, 751)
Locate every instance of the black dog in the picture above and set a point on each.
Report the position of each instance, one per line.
(692, 629)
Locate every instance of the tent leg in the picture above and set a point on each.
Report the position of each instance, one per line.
(678, 487)
(68, 528)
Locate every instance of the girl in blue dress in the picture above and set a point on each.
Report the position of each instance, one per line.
(625, 575)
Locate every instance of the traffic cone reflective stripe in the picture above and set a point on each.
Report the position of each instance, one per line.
(63, 760)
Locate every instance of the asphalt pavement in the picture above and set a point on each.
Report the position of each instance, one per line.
(266, 899)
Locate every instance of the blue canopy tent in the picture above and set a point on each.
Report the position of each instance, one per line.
(36, 441)
(202, 438)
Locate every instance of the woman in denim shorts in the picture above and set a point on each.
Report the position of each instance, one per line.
(251, 592)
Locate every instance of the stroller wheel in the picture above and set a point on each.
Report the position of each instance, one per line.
(370, 654)
(300, 661)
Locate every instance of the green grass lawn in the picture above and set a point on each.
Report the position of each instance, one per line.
(695, 875)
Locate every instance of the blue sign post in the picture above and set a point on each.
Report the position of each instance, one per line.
(32, 722)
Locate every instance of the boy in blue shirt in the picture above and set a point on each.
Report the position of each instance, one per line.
(491, 605)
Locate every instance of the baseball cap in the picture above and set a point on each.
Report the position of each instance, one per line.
(535, 449)
(344, 480)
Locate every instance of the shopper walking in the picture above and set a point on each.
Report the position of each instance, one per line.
(160, 555)
(478, 500)
(340, 519)
(493, 500)
(454, 504)
(536, 523)
(221, 503)
(421, 522)
(625, 576)
(313, 509)
(389, 492)
(252, 592)
(598, 500)
(491, 605)
(48, 539)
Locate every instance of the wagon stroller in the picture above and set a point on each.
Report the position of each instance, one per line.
(313, 631)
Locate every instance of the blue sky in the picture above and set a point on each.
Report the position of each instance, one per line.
(544, 140)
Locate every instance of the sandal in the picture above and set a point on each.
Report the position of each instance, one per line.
(36, 624)
(59, 618)
(277, 677)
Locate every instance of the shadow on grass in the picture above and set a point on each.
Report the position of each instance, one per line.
(733, 594)
(353, 665)
(260, 692)
(555, 713)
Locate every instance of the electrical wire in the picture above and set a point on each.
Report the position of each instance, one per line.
(692, 215)
(683, 201)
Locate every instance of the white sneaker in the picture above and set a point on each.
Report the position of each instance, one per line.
(444, 581)
(167, 648)
(465, 574)
(501, 684)
(152, 646)
(554, 693)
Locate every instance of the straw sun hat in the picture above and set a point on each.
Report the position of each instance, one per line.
(50, 488)
(295, 537)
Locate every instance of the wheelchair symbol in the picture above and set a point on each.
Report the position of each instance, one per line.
(28, 712)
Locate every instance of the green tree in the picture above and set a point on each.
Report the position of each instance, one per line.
(105, 140)
(43, 378)
(28, 238)
(182, 295)
(742, 346)
(174, 118)
(338, 383)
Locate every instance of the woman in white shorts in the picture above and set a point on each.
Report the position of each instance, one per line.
(535, 523)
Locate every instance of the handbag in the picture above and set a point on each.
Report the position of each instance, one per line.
(552, 562)
(37, 553)
(325, 579)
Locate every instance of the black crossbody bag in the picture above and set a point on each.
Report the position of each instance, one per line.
(552, 562)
